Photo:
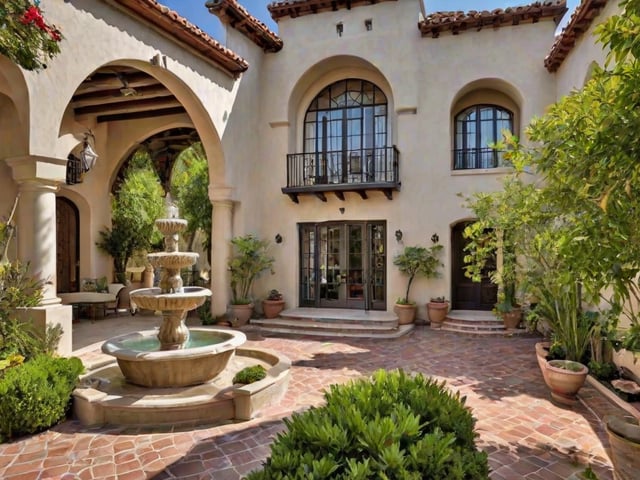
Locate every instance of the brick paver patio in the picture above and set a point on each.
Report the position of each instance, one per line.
(526, 436)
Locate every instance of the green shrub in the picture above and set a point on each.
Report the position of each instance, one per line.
(250, 374)
(36, 394)
(393, 426)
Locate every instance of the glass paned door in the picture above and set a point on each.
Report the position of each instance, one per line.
(343, 265)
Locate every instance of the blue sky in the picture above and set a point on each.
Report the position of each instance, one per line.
(196, 12)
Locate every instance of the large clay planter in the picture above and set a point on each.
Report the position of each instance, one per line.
(625, 452)
(240, 314)
(437, 312)
(512, 319)
(565, 378)
(272, 308)
(406, 313)
(542, 350)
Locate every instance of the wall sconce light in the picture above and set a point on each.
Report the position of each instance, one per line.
(399, 235)
(339, 28)
(88, 155)
(341, 210)
(435, 238)
(368, 24)
(278, 238)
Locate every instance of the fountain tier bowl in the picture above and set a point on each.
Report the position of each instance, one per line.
(152, 299)
(173, 260)
(203, 358)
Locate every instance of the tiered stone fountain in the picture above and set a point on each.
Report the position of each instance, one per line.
(176, 374)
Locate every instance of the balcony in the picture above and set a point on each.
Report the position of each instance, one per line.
(337, 172)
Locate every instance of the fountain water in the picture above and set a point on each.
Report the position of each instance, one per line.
(176, 370)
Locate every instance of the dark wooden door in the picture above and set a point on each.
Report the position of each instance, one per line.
(465, 293)
(67, 246)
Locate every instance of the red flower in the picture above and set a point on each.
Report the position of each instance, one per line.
(34, 15)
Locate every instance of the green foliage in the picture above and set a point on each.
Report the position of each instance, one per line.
(603, 370)
(36, 394)
(274, 295)
(417, 261)
(134, 210)
(250, 374)
(575, 222)
(12, 360)
(204, 313)
(190, 185)
(25, 37)
(389, 427)
(249, 260)
(18, 290)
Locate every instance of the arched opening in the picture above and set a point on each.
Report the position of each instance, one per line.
(67, 245)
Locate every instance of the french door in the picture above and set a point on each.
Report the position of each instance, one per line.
(343, 265)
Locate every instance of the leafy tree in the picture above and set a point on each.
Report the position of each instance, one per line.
(25, 37)
(190, 182)
(575, 220)
(134, 209)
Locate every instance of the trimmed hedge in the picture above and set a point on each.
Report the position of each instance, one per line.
(393, 426)
(36, 394)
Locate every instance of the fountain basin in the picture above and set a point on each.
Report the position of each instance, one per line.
(152, 299)
(104, 397)
(199, 362)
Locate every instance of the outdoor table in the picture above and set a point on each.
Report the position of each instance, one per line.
(93, 300)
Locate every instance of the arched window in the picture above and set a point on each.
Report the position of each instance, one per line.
(345, 127)
(476, 128)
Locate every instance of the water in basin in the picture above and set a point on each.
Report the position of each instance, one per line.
(196, 339)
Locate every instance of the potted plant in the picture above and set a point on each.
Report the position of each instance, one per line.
(562, 363)
(415, 261)
(249, 260)
(437, 310)
(507, 308)
(273, 304)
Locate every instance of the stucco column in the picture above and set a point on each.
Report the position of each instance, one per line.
(38, 179)
(221, 235)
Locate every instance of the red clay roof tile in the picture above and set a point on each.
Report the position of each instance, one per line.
(299, 8)
(235, 15)
(579, 23)
(457, 22)
(187, 33)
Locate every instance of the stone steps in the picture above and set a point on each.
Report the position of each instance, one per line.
(334, 322)
(477, 323)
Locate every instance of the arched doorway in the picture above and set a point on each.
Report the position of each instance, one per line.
(67, 245)
(465, 293)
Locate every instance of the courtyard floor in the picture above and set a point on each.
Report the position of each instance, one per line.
(526, 436)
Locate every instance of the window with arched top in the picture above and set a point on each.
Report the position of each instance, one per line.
(345, 130)
(477, 128)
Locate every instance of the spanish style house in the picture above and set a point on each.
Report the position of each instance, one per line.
(347, 135)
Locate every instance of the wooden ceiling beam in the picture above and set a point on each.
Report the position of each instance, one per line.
(115, 96)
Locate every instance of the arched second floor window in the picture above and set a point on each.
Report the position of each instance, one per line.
(345, 128)
(476, 128)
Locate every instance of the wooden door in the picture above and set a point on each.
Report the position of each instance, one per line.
(67, 246)
(465, 293)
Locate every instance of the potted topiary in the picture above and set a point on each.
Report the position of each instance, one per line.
(273, 304)
(415, 261)
(437, 310)
(249, 260)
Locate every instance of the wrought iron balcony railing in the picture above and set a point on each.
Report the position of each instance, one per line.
(476, 158)
(343, 171)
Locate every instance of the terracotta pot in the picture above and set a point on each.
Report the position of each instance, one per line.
(565, 382)
(625, 452)
(272, 308)
(542, 350)
(240, 314)
(406, 313)
(512, 319)
(437, 312)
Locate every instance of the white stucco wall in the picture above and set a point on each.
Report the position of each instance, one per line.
(418, 74)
